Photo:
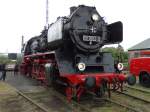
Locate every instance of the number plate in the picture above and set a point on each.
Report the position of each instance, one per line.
(91, 38)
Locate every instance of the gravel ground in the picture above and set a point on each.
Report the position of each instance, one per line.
(21, 82)
(15, 103)
(33, 89)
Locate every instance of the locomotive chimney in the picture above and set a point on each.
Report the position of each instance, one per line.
(72, 9)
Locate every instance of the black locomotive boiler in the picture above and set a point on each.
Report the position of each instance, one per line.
(68, 53)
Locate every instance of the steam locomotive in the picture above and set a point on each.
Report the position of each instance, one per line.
(68, 53)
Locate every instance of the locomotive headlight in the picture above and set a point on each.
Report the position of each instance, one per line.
(120, 66)
(81, 66)
(95, 17)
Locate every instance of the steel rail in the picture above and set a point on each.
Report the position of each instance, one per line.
(114, 102)
(138, 98)
(81, 106)
(138, 89)
(117, 103)
(122, 105)
(70, 104)
(32, 101)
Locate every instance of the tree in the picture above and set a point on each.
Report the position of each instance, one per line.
(4, 59)
(117, 52)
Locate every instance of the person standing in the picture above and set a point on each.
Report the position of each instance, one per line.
(3, 69)
(16, 69)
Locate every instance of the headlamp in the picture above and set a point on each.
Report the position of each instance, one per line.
(95, 17)
(81, 66)
(120, 66)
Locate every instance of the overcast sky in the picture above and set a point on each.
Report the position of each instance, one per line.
(27, 17)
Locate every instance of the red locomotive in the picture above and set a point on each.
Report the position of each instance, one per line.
(68, 53)
(140, 67)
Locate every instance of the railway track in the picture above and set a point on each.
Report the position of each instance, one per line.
(93, 104)
(125, 107)
(29, 101)
(90, 103)
(73, 104)
(49, 100)
(32, 101)
(133, 98)
(19, 102)
(138, 89)
(96, 104)
(138, 93)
